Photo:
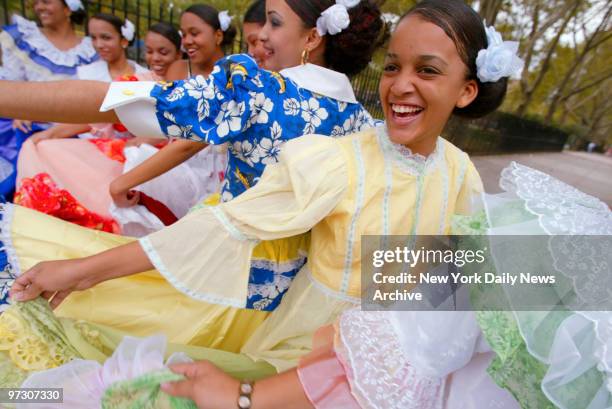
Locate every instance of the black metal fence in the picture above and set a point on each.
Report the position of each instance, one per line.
(143, 13)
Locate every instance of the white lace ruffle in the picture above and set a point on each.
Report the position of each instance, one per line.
(581, 340)
(32, 35)
(379, 373)
(411, 163)
(561, 208)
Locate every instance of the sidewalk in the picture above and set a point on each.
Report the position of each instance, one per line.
(589, 172)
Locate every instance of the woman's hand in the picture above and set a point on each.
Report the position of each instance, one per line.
(53, 280)
(123, 196)
(23, 125)
(205, 384)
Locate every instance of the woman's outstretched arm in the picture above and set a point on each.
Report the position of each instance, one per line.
(57, 279)
(166, 159)
(74, 102)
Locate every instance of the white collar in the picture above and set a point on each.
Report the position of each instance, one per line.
(322, 81)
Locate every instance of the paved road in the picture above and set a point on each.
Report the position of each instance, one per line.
(589, 172)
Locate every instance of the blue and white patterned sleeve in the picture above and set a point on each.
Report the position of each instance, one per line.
(216, 109)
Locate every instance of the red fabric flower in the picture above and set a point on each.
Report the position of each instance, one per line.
(42, 194)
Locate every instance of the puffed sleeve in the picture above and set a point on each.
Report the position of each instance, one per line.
(206, 255)
(212, 110)
(12, 67)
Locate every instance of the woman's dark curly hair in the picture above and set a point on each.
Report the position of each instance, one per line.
(351, 50)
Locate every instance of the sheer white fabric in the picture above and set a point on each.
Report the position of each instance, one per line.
(576, 345)
(418, 360)
(381, 376)
(179, 189)
(86, 381)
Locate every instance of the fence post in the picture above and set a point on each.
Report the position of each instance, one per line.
(149, 12)
(138, 30)
(5, 10)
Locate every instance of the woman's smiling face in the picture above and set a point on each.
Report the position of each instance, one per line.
(424, 79)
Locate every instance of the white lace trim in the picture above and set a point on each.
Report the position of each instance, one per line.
(380, 375)
(37, 40)
(159, 265)
(32, 35)
(561, 208)
(7, 211)
(233, 230)
(348, 259)
(411, 163)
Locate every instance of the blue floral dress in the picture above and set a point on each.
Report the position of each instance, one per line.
(255, 112)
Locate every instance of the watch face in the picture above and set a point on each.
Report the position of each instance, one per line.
(244, 402)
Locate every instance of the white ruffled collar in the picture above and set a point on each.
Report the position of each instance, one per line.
(322, 81)
(404, 158)
(31, 34)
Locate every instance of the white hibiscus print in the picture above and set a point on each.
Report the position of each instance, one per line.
(337, 132)
(176, 94)
(229, 118)
(247, 152)
(342, 106)
(199, 88)
(176, 130)
(291, 106)
(203, 109)
(269, 148)
(313, 114)
(257, 81)
(260, 106)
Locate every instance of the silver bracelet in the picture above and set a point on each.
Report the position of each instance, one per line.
(245, 390)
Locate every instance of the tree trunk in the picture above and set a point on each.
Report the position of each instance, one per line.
(591, 44)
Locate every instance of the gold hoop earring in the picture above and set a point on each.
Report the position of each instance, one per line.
(305, 55)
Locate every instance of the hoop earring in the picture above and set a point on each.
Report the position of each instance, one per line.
(305, 55)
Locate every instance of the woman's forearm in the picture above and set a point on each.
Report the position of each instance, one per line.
(166, 159)
(118, 262)
(74, 102)
(283, 391)
(61, 131)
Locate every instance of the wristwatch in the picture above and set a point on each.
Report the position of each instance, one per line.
(245, 390)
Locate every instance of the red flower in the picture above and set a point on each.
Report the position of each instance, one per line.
(42, 194)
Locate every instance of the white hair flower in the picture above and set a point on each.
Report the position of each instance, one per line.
(500, 59)
(225, 20)
(128, 30)
(74, 5)
(335, 18)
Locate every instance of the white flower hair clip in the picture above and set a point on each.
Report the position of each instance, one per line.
(128, 30)
(225, 20)
(75, 5)
(335, 18)
(500, 59)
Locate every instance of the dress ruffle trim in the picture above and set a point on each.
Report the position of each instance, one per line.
(28, 38)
